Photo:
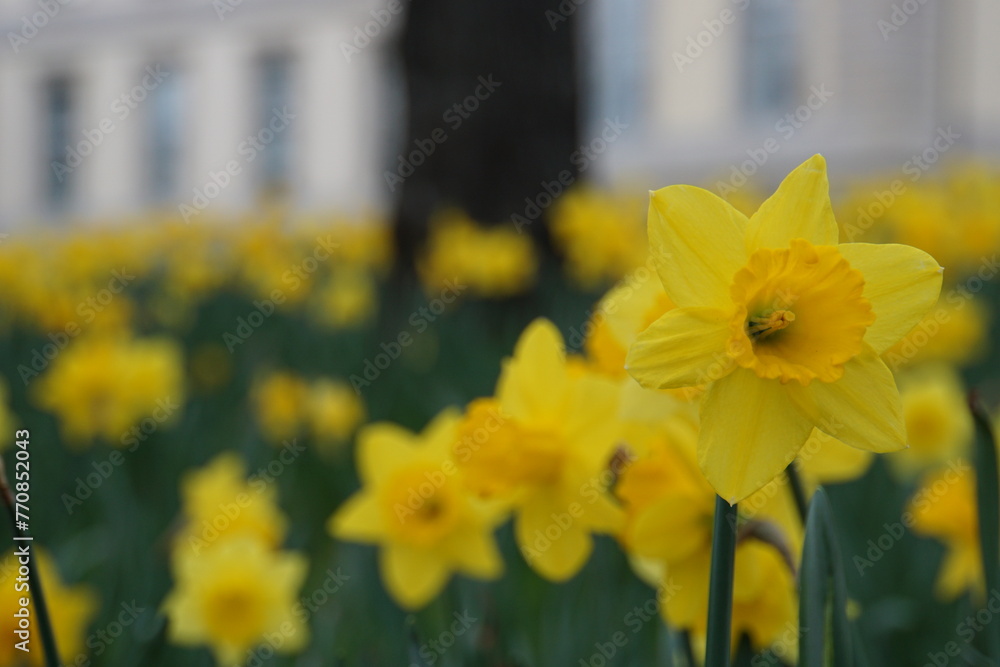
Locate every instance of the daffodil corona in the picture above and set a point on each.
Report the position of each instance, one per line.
(784, 325)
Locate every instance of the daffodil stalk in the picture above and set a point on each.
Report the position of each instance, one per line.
(34, 579)
(720, 588)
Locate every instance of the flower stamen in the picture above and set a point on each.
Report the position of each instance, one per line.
(762, 326)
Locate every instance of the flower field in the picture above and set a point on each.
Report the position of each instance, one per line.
(264, 441)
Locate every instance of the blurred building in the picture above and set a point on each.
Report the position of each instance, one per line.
(116, 106)
(112, 107)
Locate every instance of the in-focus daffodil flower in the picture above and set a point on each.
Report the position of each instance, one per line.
(416, 506)
(785, 324)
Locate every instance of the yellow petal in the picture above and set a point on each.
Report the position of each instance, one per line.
(861, 409)
(358, 519)
(697, 240)
(671, 529)
(412, 576)
(590, 423)
(901, 282)
(475, 553)
(684, 347)
(533, 383)
(381, 448)
(750, 431)
(799, 209)
(554, 543)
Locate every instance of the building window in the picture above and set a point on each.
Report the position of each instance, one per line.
(164, 138)
(272, 132)
(62, 159)
(771, 75)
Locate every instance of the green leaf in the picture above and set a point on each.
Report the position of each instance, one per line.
(988, 501)
(823, 594)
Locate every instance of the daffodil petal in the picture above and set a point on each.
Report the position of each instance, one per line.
(381, 444)
(684, 347)
(358, 519)
(697, 241)
(412, 576)
(475, 553)
(861, 409)
(670, 529)
(901, 282)
(552, 541)
(750, 431)
(799, 208)
(534, 381)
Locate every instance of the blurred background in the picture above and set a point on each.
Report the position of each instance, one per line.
(219, 218)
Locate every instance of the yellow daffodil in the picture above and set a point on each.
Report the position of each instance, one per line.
(826, 460)
(944, 507)
(334, 411)
(280, 403)
(939, 426)
(785, 324)
(237, 596)
(71, 609)
(219, 503)
(415, 505)
(553, 452)
(105, 386)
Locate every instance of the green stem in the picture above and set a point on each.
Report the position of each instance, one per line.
(720, 588)
(34, 578)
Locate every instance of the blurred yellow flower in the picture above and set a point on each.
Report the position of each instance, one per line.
(414, 504)
(939, 425)
(71, 610)
(955, 331)
(826, 460)
(944, 507)
(103, 386)
(492, 261)
(218, 503)
(600, 234)
(334, 411)
(785, 324)
(280, 403)
(347, 299)
(236, 596)
(554, 451)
